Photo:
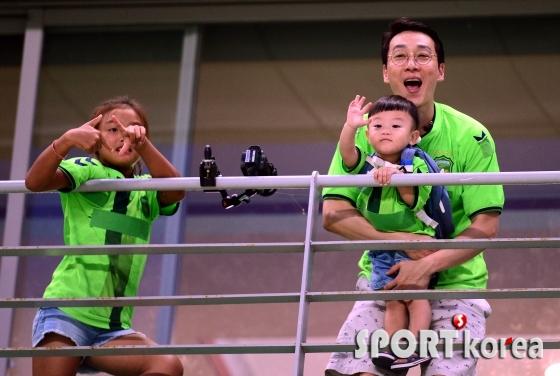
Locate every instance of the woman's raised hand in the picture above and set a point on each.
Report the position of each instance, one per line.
(87, 137)
(134, 135)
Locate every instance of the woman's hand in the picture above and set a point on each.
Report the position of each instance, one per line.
(85, 137)
(134, 136)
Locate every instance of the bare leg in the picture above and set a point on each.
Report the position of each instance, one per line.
(420, 314)
(136, 365)
(59, 365)
(396, 316)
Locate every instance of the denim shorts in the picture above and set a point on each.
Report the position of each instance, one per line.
(383, 261)
(53, 320)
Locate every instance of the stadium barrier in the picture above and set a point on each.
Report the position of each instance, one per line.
(308, 247)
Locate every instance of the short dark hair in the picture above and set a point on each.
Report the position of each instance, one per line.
(396, 103)
(404, 24)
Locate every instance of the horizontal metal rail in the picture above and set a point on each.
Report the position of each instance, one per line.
(314, 297)
(149, 350)
(288, 247)
(154, 249)
(267, 182)
(151, 301)
(328, 347)
(548, 344)
(434, 294)
(380, 245)
(272, 348)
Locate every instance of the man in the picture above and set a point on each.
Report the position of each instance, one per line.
(458, 143)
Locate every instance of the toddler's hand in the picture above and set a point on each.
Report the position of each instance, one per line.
(355, 117)
(383, 174)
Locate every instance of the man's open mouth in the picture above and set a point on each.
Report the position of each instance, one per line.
(413, 83)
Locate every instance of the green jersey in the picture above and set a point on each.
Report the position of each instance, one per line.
(98, 218)
(383, 206)
(457, 143)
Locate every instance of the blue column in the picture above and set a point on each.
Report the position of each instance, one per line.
(25, 116)
(181, 160)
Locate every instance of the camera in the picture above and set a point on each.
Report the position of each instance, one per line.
(208, 169)
(253, 163)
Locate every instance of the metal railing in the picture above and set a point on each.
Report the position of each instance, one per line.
(309, 247)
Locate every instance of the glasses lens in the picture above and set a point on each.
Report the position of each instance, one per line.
(399, 58)
(422, 58)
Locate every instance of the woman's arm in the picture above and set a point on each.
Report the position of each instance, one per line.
(160, 167)
(135, 136)
(44, 174)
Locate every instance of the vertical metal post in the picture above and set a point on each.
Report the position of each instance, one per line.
(27, 97)
(303, 314)
(181, 160)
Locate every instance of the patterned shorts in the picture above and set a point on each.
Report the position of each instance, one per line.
(370, 315)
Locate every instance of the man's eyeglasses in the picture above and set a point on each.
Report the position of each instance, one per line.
(401, 58)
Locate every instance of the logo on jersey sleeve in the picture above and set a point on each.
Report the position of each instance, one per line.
(79, 162)
(481, 137)
(485, 144)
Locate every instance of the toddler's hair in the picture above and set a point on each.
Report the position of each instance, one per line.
(396, 103)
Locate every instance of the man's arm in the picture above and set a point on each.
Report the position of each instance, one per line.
(416, 274)
(341, 218)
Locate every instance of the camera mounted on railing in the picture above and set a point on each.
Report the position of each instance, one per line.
(253, 163)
